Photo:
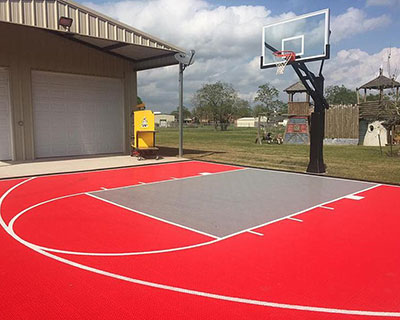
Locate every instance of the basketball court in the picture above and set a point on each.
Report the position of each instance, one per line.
(198, 240)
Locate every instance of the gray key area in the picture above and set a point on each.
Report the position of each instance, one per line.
(226, 203)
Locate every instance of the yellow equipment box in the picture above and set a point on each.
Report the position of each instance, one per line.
(144, 132)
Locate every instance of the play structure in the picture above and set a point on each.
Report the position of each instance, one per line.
(144, 138)
(297, 129)
(294, 42)
(378, 119)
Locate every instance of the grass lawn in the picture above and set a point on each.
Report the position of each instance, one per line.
(236, 146)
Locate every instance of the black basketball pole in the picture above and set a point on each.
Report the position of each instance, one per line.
(317, 164)
(316, 91)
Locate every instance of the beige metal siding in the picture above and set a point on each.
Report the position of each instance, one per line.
(34, 49)
(5, 116)
(46, 13)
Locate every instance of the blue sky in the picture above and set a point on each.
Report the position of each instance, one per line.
(226, 35)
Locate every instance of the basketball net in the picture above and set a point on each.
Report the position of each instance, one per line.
(282, 58)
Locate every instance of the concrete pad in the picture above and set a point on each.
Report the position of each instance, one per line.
(14, 169)
(227, 203)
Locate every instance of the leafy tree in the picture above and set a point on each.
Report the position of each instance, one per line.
(216, 101)
(268, 95)
(242, 109)
(185, 113)
(281, 108)
(340, 95)
(259, 108)
(139, 100)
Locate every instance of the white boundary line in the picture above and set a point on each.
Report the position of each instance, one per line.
(305, 175)
(139, 212)
(139, 184)
(16, 217)
(155, 251)
(296, 213)
(183, 290)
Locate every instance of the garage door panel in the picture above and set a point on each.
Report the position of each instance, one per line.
(5, 116)
(83, 114)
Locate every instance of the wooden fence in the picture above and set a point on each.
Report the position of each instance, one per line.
(342, 121)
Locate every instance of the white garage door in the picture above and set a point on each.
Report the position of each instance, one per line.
(5, 116)
(76, 115)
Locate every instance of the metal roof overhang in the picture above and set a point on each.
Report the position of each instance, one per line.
(143, 57)
(91, 28)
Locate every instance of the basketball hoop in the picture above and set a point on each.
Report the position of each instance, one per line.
(282, 59)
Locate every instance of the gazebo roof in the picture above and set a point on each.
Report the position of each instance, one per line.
(381, 82)
(296, 87)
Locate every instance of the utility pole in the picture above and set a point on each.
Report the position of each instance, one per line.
(181, 69)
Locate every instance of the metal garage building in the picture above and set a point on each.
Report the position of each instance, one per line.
(69, 91)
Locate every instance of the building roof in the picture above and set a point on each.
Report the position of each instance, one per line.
(381, 82)
(93, 29)
(296, 87)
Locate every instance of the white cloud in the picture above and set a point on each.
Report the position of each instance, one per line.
(355, 67)
(227, 40)
(355, 21)
(383, 2)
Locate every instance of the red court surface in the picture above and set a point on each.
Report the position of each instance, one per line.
(68, 255)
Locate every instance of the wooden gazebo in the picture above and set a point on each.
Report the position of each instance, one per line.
(298, 108)
(379, 83)
(297, 87)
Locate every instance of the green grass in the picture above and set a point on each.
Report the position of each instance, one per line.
(236, 146)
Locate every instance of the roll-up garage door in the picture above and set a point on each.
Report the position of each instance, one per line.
(5, 116)
(76, 114)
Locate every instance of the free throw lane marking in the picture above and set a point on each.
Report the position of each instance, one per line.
(325, 207)
(295, 214)
(354, 197)
(294, 219)
(257, 233)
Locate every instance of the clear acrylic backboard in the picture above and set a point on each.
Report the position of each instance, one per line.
(306, 35)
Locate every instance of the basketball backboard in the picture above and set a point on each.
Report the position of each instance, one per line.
(306, 35)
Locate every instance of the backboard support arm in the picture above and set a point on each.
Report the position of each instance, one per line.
(315, 88)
